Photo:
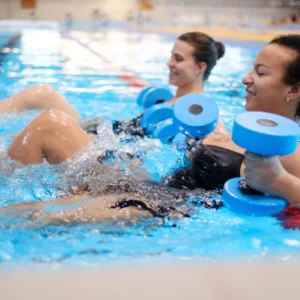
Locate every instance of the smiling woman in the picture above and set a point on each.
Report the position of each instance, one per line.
(193, 57)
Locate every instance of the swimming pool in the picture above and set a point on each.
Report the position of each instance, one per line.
(85, 68)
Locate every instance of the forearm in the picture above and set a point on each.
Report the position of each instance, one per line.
(32, 207)
(288, 188)
(87, 213)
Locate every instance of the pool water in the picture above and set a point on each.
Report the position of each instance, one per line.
(84, 67)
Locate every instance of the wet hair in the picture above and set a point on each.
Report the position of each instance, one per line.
(206, 49)
(292, 76)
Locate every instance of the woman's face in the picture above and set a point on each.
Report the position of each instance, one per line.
(182, 65)
(266, 90)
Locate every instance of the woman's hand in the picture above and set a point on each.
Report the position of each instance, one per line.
(263, 173)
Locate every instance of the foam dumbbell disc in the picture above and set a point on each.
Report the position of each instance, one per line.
(265, 133)
(253, 205)
(156, 114)
(165, 131)
(155, 96)
(140, 97)
(195, 115)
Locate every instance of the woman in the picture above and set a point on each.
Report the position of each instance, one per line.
(272, 86)
(193, 57)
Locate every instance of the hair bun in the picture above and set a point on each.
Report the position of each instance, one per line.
(220, 48)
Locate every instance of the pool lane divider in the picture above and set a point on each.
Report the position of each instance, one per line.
(127, 75)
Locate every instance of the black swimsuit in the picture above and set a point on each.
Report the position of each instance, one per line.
(206, 166)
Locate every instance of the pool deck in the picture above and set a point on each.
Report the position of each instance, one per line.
(246, 34)
(228, 281)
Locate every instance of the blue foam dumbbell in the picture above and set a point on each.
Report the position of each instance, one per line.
(156, 114)
(194, 115)
(269, 135)
(150, 96)
(141, 95)
(165, 131)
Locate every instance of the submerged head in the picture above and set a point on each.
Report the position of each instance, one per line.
(193, 57)
(273, 85)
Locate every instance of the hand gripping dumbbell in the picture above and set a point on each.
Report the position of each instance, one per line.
(265, 134)
(194, 115)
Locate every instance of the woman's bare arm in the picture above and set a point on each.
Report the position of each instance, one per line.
(75, 210)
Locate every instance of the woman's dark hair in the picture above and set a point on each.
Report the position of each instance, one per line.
(206, 49)
(292, 76)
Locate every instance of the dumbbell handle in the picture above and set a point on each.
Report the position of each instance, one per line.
(247, 190)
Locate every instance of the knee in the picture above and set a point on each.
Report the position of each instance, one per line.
(53, 119)
(44, 89)
(36, 95)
